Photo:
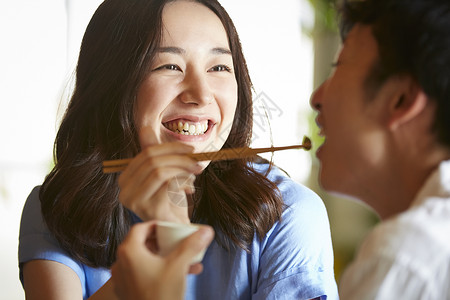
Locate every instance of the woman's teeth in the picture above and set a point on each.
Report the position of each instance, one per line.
(187, 128)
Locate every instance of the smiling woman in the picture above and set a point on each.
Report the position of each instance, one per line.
(156, 80)
(192, 83)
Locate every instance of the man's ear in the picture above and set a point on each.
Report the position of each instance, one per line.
(407, 103)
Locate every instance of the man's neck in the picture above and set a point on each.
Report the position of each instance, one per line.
(404, 181)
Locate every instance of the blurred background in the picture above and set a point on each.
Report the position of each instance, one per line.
(289, 46)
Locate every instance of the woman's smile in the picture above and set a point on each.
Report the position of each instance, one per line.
(189, 129)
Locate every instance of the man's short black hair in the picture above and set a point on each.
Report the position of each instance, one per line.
(413, 38)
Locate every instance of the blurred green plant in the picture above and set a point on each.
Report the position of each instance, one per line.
(325, 13)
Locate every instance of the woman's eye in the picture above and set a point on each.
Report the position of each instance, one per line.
(170, 67)
(220, 68)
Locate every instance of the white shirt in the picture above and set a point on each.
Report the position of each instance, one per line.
(408, 256)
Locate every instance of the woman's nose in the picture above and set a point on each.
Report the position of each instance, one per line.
(197, 89)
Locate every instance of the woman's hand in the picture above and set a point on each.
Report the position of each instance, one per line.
(140, 274)
(146, 182)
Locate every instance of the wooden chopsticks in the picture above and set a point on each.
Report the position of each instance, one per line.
(113, 166)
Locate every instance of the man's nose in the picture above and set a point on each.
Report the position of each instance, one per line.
(316, 97)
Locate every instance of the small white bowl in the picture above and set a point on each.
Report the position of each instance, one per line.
(169, 235)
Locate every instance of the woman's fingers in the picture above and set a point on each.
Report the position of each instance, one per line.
(146, 162)
(155, 183)
(144, 166)
(150, 183)
(158, 150)
(162, 195)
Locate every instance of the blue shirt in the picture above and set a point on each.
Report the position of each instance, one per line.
(293, 261)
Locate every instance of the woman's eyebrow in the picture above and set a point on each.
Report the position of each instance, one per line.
(181, 51)
(220, 50)
(173, 50)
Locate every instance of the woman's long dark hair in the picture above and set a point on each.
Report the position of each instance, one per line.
(79, 203)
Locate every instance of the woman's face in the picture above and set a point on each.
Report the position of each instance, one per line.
(190, 94)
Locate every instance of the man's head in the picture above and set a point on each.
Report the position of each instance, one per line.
(389, 89)
(413, 38)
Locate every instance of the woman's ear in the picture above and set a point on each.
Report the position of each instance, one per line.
(407, 103)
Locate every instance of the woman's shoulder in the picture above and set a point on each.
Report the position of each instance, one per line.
(33, 229)
(31, 213)
(37, 242)
(34, 235)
